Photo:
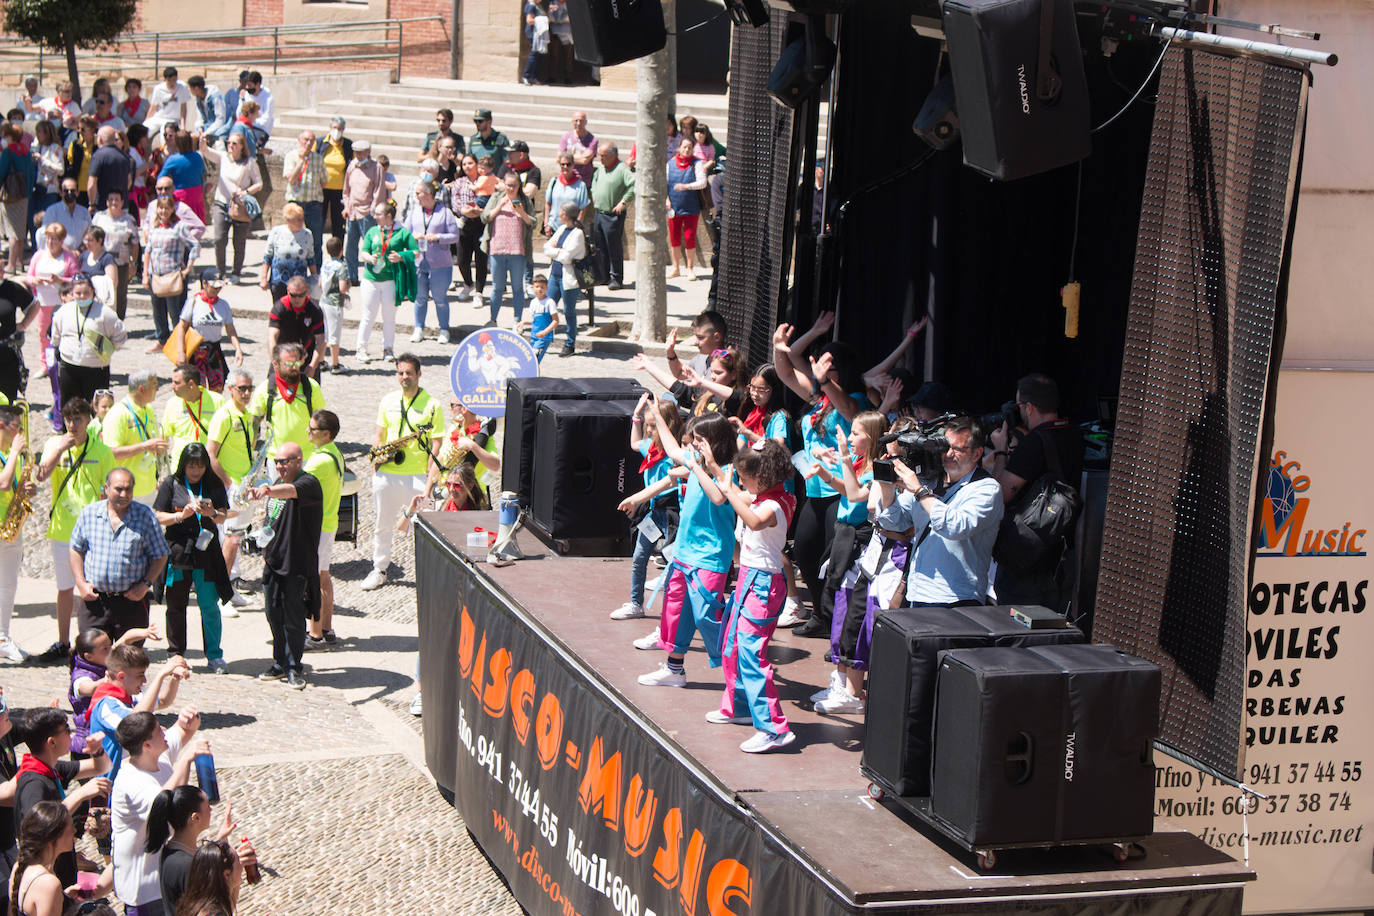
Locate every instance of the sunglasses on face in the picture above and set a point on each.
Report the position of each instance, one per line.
(282, 460)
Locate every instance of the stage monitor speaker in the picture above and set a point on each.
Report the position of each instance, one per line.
(583, 467)
(802, 66)
(903, 661)
(1009, 129)
(610, 388)
(607, 32)
(1044, 745)
(523, 396)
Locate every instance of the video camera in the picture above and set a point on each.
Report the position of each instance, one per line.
(923, 450)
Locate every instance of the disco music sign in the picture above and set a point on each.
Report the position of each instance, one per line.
(1309, 707)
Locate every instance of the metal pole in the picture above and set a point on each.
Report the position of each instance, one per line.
(1260, 48)
(157, 51)
(40, 64)
(276, 50)
(400, 43)
(455, 53)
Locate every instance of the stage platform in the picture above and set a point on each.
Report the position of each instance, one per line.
(594, 794)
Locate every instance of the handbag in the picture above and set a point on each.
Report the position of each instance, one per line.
(168, 285)
(1039, 529)
(239, 210)
(179, 346)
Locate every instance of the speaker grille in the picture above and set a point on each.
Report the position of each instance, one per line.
(751, 248)
(1200, 348)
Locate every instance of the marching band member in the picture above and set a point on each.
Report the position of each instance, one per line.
(405, 468)
(327, 466)
(187, 416)
(134, 436)
(286, 400)
(13, 485)
(232, 442)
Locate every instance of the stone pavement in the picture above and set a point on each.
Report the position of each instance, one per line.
(329, 782)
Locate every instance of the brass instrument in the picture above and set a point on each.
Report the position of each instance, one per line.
(393, 452)
(257, 470)
(20, 505)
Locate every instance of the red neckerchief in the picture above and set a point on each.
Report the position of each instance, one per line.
(786, 500)
(208, 301)
(686, 163)
(563, 179)
(754, 422)
(859, 465)
(32, 764)
(819, 412)
(130, 110)
(524, 166)
(287, 394)
(386, 239)
(243, 119)
(106, 689)
(654, 457)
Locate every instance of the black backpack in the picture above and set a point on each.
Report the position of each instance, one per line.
(1037, 532)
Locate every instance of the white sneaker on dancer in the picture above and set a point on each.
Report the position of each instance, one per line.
(716, 717)
(837, 682)
(10, 651)
(663, 678)
(628, 611)
(763, 742)
(375, 580)
(648, 641)
(791, 613)
(840, 702)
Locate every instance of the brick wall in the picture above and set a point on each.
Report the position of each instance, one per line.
(425, 50)
(262, 12)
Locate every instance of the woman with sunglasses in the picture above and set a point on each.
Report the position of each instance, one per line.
(190, 504)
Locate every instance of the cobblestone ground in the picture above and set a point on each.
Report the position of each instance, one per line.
(330, 782)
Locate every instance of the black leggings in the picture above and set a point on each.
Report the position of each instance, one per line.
(810, 541)
(470, 250)
(81, 381)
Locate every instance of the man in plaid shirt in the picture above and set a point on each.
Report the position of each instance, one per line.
(303, 169)
(117, 553)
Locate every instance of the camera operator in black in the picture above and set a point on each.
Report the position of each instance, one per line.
(1037, 401)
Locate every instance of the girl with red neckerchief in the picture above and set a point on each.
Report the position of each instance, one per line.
(649, 416)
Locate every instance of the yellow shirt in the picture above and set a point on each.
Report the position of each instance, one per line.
(290, 422)
(129, 424)
(189, 422)
(421, 412)
(87, 482)
(335, 164)
(326, 466)
(233, 430)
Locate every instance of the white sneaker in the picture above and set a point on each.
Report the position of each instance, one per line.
(628, 611)
(416, 706)
(716, 717)
(837, 682)
(763, 742)
(465, 294)
(417, 335)
(444, 338)
(791, 613)
(227, 609)
(663, 678)
(363, 357)
(652, 584)
(375, 580)
(649, 641)
(10, 651)
(840, 702)
(240, 600)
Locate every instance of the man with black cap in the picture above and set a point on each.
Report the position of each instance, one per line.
(518, 161)
(486, 141)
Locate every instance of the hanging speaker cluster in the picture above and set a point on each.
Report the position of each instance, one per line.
(607, 32)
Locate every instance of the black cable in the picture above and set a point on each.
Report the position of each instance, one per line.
(704, 22)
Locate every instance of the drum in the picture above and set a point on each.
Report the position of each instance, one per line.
(348, 509)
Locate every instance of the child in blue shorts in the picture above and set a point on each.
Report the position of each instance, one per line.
(543, 317)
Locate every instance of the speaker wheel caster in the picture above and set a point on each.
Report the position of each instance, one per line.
(875, 791)
(987, 858)
(1121, 851)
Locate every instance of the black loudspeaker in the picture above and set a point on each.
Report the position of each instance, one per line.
(802, 66)
(607, 32)
(1011, 126)
(1044, 745)
(608, 389)
(903, 661)
(583, 467)
(523, 396)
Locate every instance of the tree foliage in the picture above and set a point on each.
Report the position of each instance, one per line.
(65, 25)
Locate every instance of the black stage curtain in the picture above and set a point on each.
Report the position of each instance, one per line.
(990, 257)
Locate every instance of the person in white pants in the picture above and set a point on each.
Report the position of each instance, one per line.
(12, 445)
(406, 471)
(386, 250)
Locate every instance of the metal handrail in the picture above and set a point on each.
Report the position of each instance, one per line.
(255, 54)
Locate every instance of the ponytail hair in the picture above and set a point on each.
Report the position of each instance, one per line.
(170, 811)
(42, 825)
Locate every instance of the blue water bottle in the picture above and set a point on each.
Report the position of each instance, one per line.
(205, 775)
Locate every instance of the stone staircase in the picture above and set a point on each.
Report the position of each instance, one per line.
(397, 118)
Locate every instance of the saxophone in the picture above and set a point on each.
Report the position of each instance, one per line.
(20, 505)
(393, 451)
(256, 470)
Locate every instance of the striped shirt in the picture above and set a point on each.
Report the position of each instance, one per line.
(171, 248)
(304, 181)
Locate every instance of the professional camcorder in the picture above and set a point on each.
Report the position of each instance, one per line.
(923, 450)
